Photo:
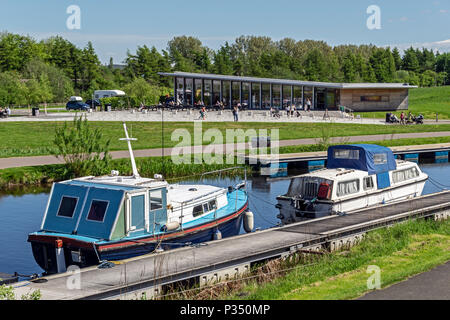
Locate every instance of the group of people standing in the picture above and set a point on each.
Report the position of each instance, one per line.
(5, 112)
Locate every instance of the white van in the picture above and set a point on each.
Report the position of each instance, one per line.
(98, 94)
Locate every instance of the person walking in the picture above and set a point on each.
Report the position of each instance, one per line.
(236, 112)
(308, 105)
(402, 118)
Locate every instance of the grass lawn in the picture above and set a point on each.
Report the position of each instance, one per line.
(427, 101)
(400, 252)
(34, 138)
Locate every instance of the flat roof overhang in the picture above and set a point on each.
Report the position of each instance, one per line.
(330, 85)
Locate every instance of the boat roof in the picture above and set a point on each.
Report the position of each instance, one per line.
(124, 183)
(180, 193)
(365, 157)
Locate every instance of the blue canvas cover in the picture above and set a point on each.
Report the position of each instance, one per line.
(366, 157)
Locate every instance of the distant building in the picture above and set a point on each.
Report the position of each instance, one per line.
(263, 93)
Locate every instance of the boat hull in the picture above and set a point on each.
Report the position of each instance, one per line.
(85, 254)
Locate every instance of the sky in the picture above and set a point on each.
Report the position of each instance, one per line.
(115, 26)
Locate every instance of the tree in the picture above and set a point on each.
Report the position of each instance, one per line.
(60, 84)
(17, 50)
(12, 90)
(141, 92)
(410, 61)
(90, 68)
(222, 60)
(315, 67)
(349, 67)
(397, 59)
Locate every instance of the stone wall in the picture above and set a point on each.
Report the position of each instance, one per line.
(382, 99)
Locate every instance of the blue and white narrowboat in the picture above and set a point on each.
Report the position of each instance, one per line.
(94, 219)
(356, 176)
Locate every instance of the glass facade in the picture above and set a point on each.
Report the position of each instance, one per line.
(298, 97)
(216, 92)
(265, 96)
(254, 95)
(226, 94)
(198, 91)
(245, 94)
(256, 99)
(207, 92)
(276, 96)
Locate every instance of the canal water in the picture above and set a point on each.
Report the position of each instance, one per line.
(21, 212)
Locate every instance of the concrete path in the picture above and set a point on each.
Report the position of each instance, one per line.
(431, 285)
(226, 148)
(192, 115)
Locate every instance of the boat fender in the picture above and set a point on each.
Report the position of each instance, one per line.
(217, 235)
(248, 221)
(171, 226)
(278, 206)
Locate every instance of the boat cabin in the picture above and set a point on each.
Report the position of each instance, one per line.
(352, 170)
(106, 208)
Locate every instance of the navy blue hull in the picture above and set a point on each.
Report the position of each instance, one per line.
(227, 229)
(44, 247)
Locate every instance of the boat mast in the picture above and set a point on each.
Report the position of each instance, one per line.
(133, 162)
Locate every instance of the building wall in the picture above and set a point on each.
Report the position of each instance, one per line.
(374, 99)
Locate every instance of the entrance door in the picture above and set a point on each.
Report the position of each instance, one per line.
(157, 210)
(138, 213)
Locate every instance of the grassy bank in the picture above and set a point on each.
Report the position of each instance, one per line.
(427, 101)
(35, 138)
(28, 176)
(24, 176)
(400, 251)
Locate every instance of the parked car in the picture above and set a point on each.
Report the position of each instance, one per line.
(94, 103)
(77, 105)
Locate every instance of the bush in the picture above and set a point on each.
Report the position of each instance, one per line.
(82, 148)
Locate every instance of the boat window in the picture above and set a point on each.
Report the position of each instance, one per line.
(156, 199)
(205, 207)
(212, 205)
(310, 189)
(347, 187)
(368, 183)
(380, 158)
(403, 175)
(67, 207)
(346, 154)
(97, 210)
(198, 210)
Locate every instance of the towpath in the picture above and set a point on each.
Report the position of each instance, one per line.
(431, 285)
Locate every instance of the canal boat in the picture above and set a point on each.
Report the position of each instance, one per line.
(94, 220)
(356, 176)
